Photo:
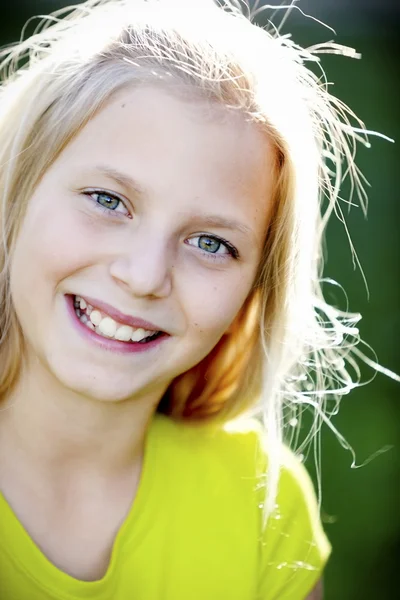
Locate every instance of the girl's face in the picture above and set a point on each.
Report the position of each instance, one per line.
(157, 209)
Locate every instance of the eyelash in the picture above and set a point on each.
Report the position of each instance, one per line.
(233, 252)
(107, 211)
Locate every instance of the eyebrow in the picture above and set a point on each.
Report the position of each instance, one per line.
(121, 178)
(223, 223)
(209, 220)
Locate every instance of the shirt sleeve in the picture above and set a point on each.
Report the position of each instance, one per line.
(294, 547)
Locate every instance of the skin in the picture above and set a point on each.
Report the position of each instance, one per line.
(317, 592)
(71, 439)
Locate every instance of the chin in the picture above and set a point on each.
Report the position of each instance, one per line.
(96, 386)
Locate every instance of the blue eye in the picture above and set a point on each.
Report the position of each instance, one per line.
(211, 246)
(209, 243)
(108, 202)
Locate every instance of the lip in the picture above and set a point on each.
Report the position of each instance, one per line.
(109, 345)
(121, 317)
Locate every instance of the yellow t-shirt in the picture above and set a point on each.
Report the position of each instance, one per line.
(193, 532)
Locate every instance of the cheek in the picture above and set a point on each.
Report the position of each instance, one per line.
(51, 245)
(213, 307)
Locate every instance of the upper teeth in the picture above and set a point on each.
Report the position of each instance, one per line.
(106, 326)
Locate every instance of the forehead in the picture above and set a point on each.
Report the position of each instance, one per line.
(188, 151)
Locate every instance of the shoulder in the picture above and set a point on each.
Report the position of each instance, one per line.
(224, 470)
(235, 455)
(217, 462)
(238, 447)
(225, 444)
(295, 548)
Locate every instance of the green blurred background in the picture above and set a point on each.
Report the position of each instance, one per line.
(360, 506)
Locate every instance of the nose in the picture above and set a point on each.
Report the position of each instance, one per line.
(145, 267)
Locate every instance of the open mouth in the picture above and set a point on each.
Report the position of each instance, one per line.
(106, 327)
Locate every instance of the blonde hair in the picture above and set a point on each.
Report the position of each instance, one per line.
(287, 348)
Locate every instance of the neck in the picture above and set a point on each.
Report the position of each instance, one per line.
(57, 432)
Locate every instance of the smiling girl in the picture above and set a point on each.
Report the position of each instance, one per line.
(166, 173)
